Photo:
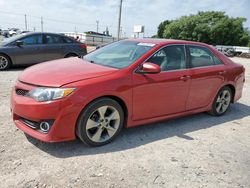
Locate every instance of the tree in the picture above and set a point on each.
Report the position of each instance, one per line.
(161, 28)
(210, 27)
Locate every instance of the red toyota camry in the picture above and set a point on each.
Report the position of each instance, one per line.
(124, 84)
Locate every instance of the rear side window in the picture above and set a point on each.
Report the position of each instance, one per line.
(202, 57)
(68, 40)
(53, 39)
(32, 40)
(217, 61)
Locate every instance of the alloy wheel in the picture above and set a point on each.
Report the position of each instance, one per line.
(223, 101)
(3, 62)
(102, 124)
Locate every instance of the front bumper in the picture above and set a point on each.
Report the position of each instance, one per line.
(62, 113)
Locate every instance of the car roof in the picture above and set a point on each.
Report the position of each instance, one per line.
(166, 41)
(32, 33)
(21, 35)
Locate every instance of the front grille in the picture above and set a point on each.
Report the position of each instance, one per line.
(21, 92)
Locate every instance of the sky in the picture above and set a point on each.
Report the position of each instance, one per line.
(81, 15)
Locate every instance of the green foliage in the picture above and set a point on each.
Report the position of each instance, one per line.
(161, 28)
(210, 27)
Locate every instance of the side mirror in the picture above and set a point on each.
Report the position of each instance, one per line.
(19, 43)
(149, 68)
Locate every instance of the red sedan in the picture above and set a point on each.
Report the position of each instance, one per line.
(124, 84)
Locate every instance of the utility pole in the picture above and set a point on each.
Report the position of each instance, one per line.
(42, 24)
(119, 20)
(121, 32)
(107, 31)
(25, 18)
(97, 26)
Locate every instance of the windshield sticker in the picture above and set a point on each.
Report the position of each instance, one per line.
(146, 44)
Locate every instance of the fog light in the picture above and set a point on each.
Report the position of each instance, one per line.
(44, 126)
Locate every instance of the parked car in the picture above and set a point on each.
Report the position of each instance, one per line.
(124, 84)
(229, 52)
(5, 33)
(30, 48)
(13, 31)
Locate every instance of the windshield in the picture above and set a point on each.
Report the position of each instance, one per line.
(119, 54)
(11, 39)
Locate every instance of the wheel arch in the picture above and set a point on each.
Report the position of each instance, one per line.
(115, 98)
(2, 53)
(232, 89)
(123, 105)
(120, 102)
(71, 54)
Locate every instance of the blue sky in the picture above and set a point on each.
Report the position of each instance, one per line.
(82, 14)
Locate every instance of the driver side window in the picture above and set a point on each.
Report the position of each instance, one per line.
(32, 40)
(170, 58)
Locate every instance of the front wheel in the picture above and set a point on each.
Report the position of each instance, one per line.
(100, 122)
(222, 101)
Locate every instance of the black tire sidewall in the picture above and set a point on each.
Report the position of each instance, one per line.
(214, 111)
(85, 114)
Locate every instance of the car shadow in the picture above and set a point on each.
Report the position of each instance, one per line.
(16, 68)
(141, 135)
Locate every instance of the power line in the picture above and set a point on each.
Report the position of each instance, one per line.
(50, 19)
(74, 23)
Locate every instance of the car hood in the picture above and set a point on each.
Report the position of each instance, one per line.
(63, 71)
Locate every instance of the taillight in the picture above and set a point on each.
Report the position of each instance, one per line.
(83, 46)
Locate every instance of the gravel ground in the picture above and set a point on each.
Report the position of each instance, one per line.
(194, 151)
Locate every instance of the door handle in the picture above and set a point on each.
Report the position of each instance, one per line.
(185, 78)
(222, 72)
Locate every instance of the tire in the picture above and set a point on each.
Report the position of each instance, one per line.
(221, 102)
(100, 122)
(5, 62)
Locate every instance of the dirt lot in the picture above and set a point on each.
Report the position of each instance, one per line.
(194, 151)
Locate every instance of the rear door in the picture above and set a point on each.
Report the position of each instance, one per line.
(31, 50)
(207, 76)
(53, 47)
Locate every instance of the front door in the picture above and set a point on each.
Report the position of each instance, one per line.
(30, 51)
(166, 93)
(53, 47)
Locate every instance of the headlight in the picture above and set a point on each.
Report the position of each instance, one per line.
(42, 94)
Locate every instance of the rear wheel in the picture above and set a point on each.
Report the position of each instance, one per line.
(221, 102)
(5, 62)
(100, 122)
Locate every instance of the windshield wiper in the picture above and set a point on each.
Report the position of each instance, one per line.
(91, 61)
